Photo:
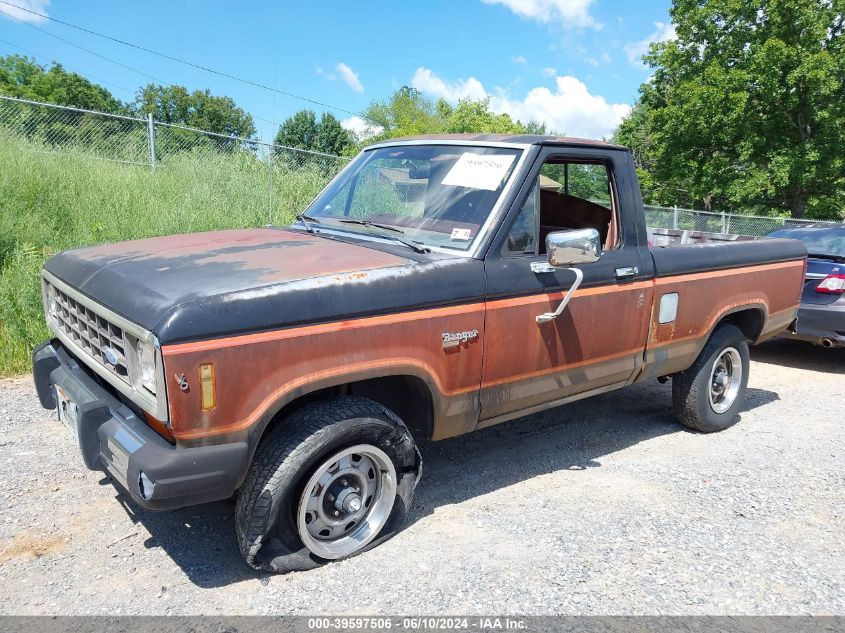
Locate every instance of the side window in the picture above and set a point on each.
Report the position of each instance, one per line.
(569, 194)
(586, 181)
(522, 236)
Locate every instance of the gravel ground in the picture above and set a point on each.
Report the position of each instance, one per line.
(603, 506)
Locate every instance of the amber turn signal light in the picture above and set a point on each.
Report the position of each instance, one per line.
(207, 391)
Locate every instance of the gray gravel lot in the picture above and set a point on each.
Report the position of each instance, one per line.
(602, 506)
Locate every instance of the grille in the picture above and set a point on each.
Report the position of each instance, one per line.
(102, 341)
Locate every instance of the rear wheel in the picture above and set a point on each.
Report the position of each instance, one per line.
(707, 396)
(332, 480)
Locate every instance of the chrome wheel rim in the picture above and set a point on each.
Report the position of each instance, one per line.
(347, 501)
(725, 380)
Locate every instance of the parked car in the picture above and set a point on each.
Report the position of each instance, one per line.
(436, 286)
(821, 317)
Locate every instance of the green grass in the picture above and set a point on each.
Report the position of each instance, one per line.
(54, 200)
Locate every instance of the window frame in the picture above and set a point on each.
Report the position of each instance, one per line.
(534, 175)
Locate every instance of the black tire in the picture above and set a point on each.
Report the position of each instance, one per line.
(691, 388)
(265, 519)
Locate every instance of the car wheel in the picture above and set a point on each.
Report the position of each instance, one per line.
(707, 396)
(333, 480)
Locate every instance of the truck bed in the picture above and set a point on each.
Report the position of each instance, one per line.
(679, 259)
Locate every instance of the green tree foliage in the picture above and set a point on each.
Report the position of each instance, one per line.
(408, 112)
(331, 137)
(303, 131)
(746, 108)
(22, 77)
(476, 116)
(199, 109)
(299, 130)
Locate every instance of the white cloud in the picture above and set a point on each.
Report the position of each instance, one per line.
(39, 6)
(548, 71)
(426, 81)
(604, 58)
(361, 128)
(349, 77)
(570, 109)
(519, 59)
(569, 14)
(635, 50)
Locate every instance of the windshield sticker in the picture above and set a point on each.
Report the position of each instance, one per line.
(461, 234)
(479, 171)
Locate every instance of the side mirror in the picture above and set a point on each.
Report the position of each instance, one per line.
(569, 248)
(565, 249)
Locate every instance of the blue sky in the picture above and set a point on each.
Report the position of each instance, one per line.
(571, 63)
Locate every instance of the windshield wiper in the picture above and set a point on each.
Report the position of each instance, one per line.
(386, 227)
(835, 258)
(306, 221)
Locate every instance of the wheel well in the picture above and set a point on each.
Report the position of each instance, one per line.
(407, 396)
(749, 320)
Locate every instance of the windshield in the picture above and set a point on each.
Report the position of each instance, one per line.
(819, 241)
(436, 195)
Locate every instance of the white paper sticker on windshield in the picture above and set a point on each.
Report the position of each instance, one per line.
(479, 171)
(461, 234)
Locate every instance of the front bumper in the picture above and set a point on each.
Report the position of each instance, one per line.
(817, 323)
(112, 438)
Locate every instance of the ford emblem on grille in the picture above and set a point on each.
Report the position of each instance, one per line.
(112, 356)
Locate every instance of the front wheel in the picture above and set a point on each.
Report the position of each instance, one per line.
(334, 479)
(707, 396)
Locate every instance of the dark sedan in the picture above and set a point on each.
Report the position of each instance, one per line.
(821, 318)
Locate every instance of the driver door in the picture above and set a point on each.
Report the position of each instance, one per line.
(598, 341)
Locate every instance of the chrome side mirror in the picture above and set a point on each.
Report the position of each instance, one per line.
(569, 248)
(565, 249)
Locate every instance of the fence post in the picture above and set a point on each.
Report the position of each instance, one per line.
(270, 187)
(151, 131)
(675, 218)
(724, 225)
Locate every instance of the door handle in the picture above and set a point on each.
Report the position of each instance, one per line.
(627, 271)
(538, 268)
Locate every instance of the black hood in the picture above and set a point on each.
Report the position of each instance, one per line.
(204, 285)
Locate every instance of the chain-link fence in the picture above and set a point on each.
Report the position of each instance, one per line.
(292, 176)
(719, 222)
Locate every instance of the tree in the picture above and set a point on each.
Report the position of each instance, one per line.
(408, 112)
(746, 107)
(299, 130)
(475, 116)
(24, 78)
(199, 109)
(332, 137)
(303, 131)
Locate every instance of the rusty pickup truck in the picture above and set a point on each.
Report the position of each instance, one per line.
(436, 286)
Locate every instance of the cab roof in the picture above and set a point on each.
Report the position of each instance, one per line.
(506, 139)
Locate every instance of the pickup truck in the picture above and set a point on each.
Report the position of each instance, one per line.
(436, 286)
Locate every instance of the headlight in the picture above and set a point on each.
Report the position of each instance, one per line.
(147, 366)
(51, 304)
